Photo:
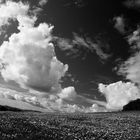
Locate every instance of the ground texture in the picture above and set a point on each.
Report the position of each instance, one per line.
(50, 126)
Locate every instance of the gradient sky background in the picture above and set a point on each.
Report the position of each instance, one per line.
(99, 40)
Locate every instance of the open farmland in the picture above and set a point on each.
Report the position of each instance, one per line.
(53, 126)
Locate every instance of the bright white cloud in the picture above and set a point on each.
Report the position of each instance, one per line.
(11, 10)
(68, 93)
(119, 94)
(131, 67)
(29, 55)
(52, 103)
(29, 59)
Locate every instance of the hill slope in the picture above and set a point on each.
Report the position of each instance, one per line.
(14, 109)
(8, 108)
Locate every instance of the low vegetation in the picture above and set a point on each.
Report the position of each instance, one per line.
(51, 126)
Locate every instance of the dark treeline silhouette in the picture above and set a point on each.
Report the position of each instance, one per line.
(132, 106)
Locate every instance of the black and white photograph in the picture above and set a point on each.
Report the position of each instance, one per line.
(69, 69)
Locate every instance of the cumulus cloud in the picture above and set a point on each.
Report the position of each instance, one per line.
(74, 108)
(28, 58)
(119, 24)
(52, 103)
(11, 10)
(19, 96)
(80, 46)
(68, 93)
(119, 94)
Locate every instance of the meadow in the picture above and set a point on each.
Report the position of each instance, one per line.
(65, 126)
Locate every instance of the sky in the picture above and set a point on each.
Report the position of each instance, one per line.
(69, 55)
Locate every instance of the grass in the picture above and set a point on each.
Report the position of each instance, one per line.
(57, 126)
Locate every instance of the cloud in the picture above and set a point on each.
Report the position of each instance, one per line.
(81, 46)
(7, 93)
(132, 3)
(61, 105)
(130, 68)
(63, 102)
(134, 39)
(42, 2)
(74, 108)
(29, 59)
(119, 24)
(52, 103)
(119, 94)
(29, 56)
(11, 10)
(68, 93)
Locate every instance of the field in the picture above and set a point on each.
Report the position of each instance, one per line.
(55, 126)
